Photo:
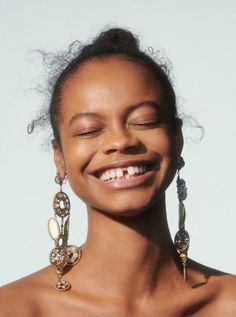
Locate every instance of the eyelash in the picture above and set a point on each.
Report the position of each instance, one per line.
(151, 125)
(89, 133)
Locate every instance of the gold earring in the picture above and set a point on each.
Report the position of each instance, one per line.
(182, 237)
(62, 255)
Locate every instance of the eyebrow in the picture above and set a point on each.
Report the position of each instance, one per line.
(151, 103)
(129, 108)
(83, 115)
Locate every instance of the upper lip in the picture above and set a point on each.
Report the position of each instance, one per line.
(121, 164)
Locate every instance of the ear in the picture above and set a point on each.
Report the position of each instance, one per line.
(59, 159)
(178, 135)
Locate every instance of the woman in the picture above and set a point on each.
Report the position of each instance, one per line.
(118, 141)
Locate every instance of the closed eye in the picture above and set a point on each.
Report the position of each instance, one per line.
(148, 124)
(88, 134)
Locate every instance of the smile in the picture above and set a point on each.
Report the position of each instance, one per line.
(127, 174)
(123, 172)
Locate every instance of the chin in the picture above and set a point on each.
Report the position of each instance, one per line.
(126, 208)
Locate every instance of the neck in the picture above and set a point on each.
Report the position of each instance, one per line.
(131, 255)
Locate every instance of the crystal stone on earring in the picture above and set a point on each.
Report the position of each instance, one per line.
(61, 241)
(182, 239)
(58, 257)
(63, 286)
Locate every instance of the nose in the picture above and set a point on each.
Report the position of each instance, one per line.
(122, 141)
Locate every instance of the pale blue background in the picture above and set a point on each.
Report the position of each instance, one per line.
(199, 37)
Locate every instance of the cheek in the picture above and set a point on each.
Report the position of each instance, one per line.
(77, 156)
(164, 144)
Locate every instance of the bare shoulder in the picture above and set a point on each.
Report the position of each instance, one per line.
(24, 297)
(223, 302)
(219, 291)
(226, 297)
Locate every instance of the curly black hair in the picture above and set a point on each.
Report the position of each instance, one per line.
(114, 41)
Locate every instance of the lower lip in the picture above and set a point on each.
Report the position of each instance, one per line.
(133, 181)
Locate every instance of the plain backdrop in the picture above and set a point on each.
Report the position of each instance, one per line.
(199, 38)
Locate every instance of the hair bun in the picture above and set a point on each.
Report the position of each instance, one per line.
(117, 38)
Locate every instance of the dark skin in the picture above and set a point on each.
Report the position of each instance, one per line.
(129, 265)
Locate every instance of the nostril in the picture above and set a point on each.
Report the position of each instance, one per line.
(125, 148)
(132, 148)
(121, 140)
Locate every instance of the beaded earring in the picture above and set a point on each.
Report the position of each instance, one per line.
(62, 255)
(182, 237)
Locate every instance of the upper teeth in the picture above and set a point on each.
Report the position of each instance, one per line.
(119, 172)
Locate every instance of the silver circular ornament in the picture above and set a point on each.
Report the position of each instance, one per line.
(73, 255)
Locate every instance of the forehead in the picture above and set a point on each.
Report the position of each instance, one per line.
(109, 83)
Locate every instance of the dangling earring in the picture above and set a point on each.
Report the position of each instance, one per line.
(182, 238)
(58, 228)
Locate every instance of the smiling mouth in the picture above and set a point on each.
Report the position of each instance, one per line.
(124, 172)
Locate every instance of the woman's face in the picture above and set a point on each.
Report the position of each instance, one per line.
(117, 146)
